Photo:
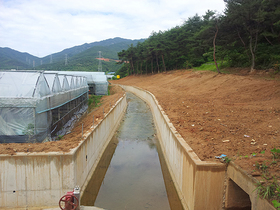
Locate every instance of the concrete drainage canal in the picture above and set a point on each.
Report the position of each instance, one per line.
(132, 173)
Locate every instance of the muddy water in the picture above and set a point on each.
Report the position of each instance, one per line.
(130, 174)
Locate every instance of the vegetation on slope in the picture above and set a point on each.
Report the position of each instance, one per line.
(246, 35)
(79, 58)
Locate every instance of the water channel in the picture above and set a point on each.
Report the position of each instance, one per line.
(132, 173)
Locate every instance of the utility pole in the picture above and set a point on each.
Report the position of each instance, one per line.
(66, 60)
(100, 62)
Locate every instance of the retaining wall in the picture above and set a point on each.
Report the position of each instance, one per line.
(200, 184)
(40, 179)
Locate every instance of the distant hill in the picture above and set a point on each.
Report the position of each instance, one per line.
(80, 57)
(12, 59)
(109, 48)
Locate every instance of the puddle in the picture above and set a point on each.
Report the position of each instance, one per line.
(130, 174)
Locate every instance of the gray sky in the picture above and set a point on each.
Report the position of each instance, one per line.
(43, 27)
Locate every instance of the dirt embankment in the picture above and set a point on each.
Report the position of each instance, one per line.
(235, 115)
(71, 140)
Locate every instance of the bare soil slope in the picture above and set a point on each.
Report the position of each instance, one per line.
(235, 115)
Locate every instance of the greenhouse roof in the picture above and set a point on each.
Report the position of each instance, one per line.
(90, 76)
(36, 84)
(23, 84)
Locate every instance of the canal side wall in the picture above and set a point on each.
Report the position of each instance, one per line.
(40, 179)
(200, 184)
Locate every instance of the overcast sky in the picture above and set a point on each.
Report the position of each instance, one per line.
(43, 27)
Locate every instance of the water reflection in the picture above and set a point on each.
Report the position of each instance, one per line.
(133, 179)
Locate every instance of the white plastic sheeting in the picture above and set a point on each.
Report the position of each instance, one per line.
(29, 100)
(97, 81)
(101, 84)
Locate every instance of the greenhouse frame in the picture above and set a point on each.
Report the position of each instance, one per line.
(34, 105)
(97, 81)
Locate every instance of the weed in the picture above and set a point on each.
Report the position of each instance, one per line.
(266, 191)
(109, 88)
(276, 204)
(262, 152)
(227, 159)
(269, 190)
(60, 137)
(93, 102)
(262, 167)
(273, 162)
(275, 153)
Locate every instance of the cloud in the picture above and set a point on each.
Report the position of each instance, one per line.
(47, 26)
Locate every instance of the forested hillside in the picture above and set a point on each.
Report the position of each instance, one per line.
(12, 59)
(246, 35)
(79, 58)
(86, 60)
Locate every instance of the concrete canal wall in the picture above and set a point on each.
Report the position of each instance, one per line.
(40, 179)
(200, 184)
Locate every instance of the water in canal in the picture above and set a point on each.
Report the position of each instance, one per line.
(132, 173)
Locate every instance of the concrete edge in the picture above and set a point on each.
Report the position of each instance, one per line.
(72, 151)
(248, 184)
(199, 184)
(64, 170)
(181, 140)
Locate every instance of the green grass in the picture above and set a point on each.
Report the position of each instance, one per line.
(210, 66)
(93, 102)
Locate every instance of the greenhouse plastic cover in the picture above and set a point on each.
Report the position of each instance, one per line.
(89, 75)
(96, 79)
(27, 97)
(101, 84)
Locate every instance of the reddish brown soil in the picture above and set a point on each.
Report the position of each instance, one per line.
(71, 140)
(232, 114)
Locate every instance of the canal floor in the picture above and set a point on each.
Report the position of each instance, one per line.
(132, 173)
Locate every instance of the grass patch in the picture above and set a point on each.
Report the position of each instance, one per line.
(210, 66)
(109, 88)
(93, 102)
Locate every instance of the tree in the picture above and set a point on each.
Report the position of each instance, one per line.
(246, 16)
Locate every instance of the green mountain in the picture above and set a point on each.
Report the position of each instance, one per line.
(80, 58)
(87, 59)
(12, 59)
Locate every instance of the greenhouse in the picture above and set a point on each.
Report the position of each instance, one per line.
(35, 105)
(97, 81)
(100, 84)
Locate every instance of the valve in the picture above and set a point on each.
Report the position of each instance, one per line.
(70, 202)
